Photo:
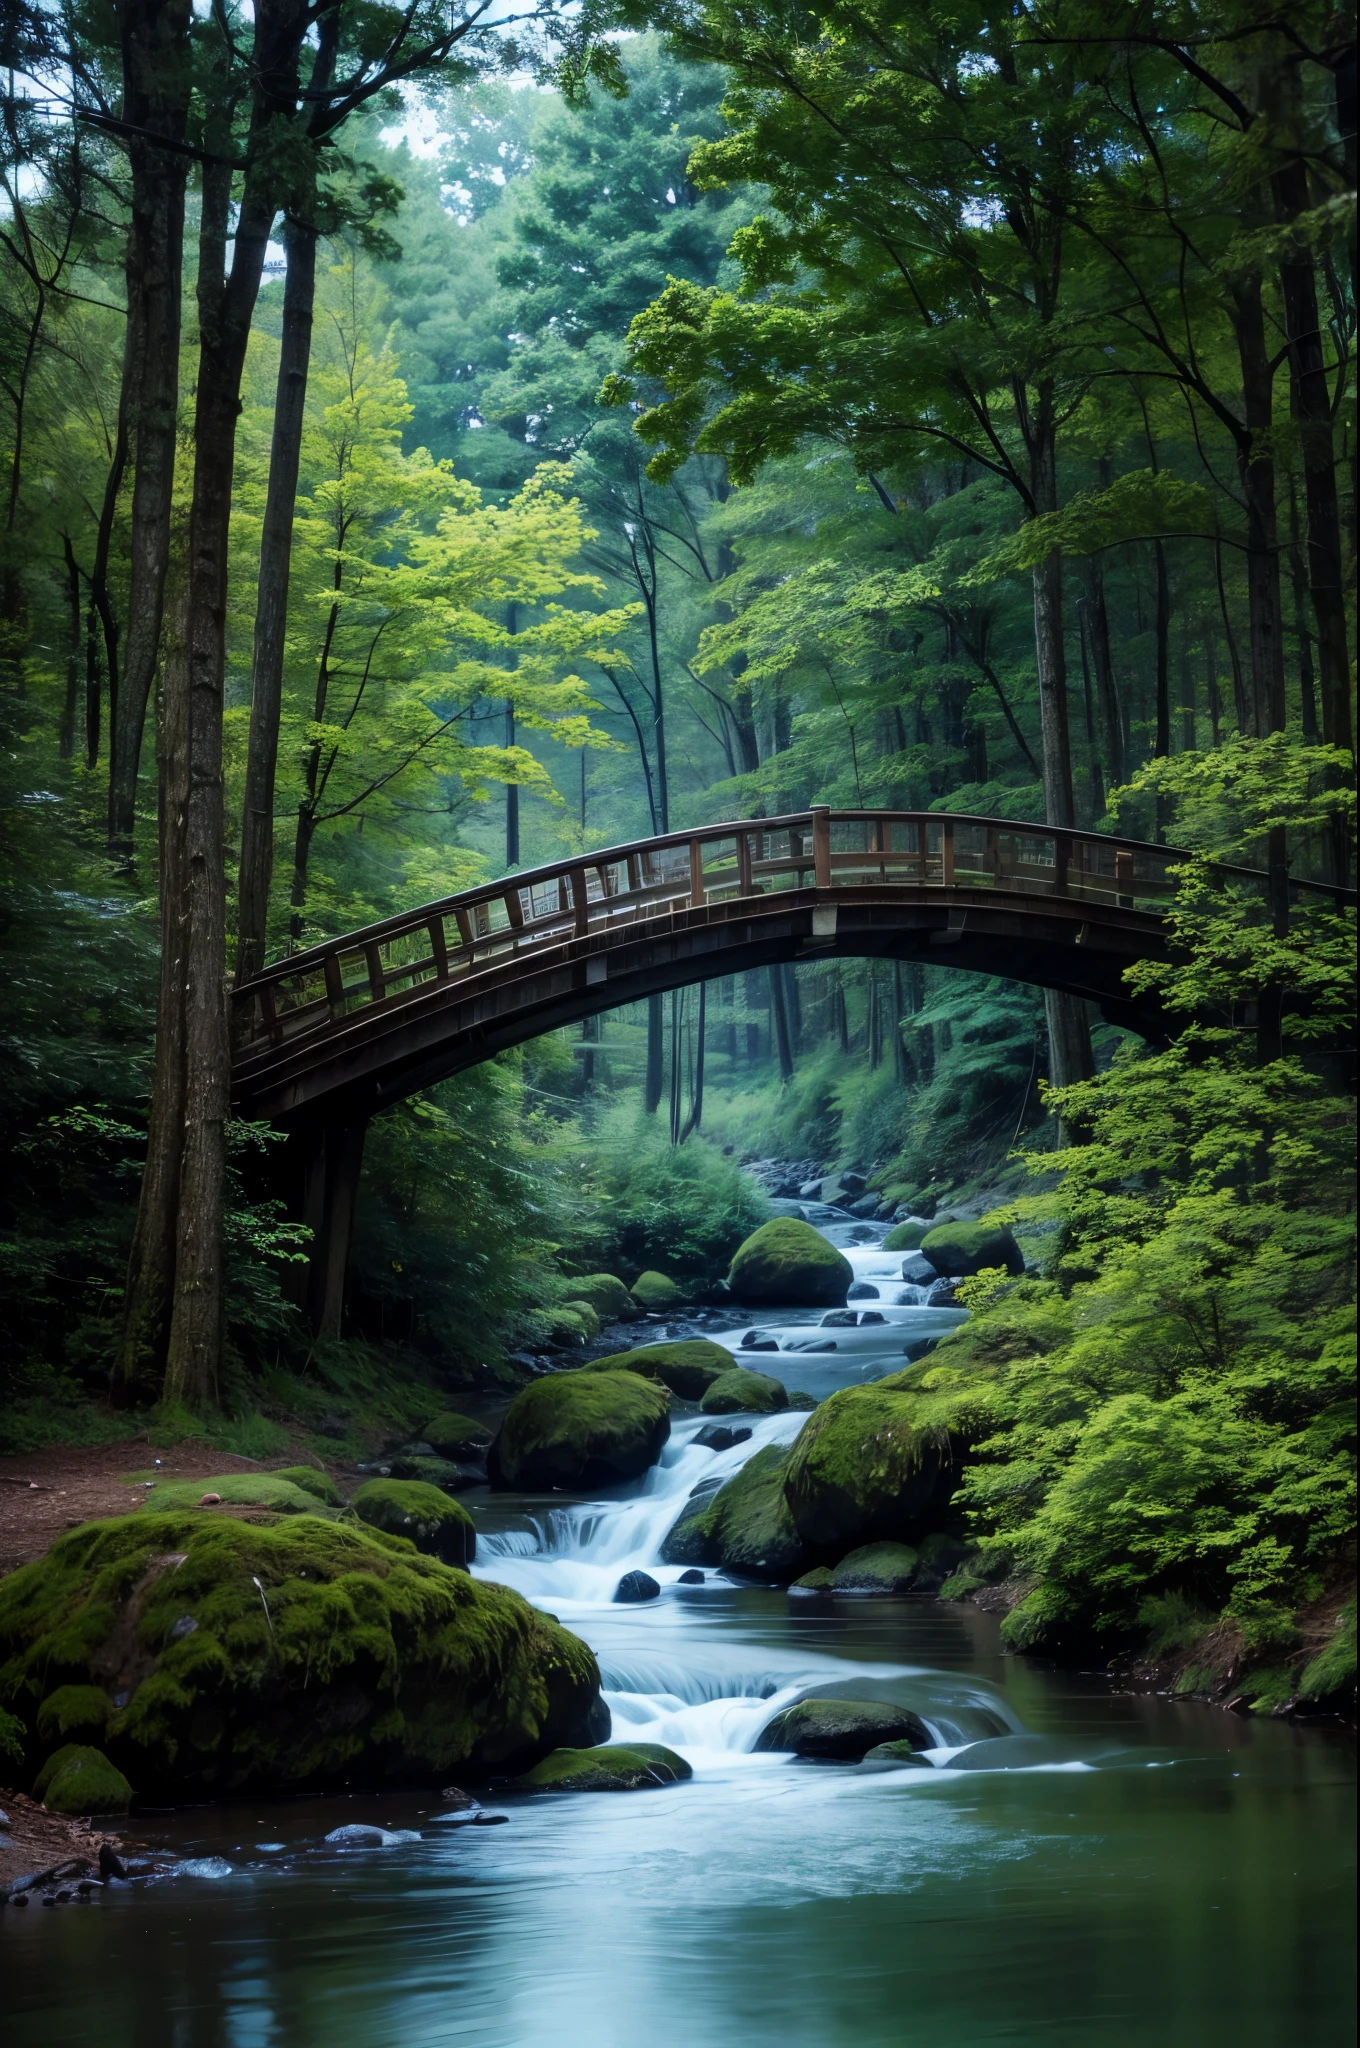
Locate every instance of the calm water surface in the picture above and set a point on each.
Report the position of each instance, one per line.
(1077, 1867)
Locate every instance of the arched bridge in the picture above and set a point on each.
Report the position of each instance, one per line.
(326, 1038)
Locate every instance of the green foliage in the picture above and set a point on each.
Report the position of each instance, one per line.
(74, 1711)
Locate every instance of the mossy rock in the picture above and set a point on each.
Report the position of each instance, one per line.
(625, 1767)
(82, 1780)
(437, 1526)
(745, 1527)
(818, 1580)
(885, 1569)
(788, 1262)
(457, 1437)
(572, 1325)
(961, 1248)
(440, 1472)
(658, 1291)
(245, 1661)
(740, 1392)
(580, 1430)
(906, 1236)
(586, 1314)
(801, 1402)
(861, 1471)
(74, 1713)
(844, 1730)
(689, 1367)
(319, 1484)
(895, 1753)
(1330, 1675)
(608, 1296)
(277, 1491)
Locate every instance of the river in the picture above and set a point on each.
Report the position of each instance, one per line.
(1078, 1865)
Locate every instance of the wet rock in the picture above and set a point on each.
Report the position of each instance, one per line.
(635, 1586)
(863, 1290)
(745, 1527)
(581, 1430)
(841, 1729)
(942, 1295)
(917, 1271)
(688, 1366)
(691, 1578)
(813, 1585)
(458, 1438)
(861, 1471)
(111, 1864)
(866, 1205)
(630, 1767)
(959, 1249)
(717, 1436)
(886, 1570)
(437, 1526)
(788, 1262)
(741, 1391)
(459, 1801)
(357, 1836)
(895, 1753)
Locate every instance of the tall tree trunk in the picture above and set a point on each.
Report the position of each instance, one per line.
(696, 1101)
(901, 1058)
(779, 1025)
(156, 82)
(656, 1056)
(677, 1062)
(1107, 686)
(271, 606)
(66, 732)
(1256, 469)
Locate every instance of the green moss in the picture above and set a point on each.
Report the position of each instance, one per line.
(11, 1742)
(862, 1469)
(787, 1261)
(816, 1581)
(81, 1780)
(436, 1525)
(608, 1296)
(882, 1568)
(567, 1326)
(74, 1713)
(657, 1291)
(895, 1753)
(631, 1767)
(282, 1495)
(843, 1729)
(959, 1248)
(1331, 1674)
(320, 1654)
(745, 1527)
(585, 1314)
(743, 1392)
(905, 1237)
(689, 1367)
(319, 1484)
(457, 1436)
(581, 1429)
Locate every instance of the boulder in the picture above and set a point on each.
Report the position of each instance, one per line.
(812, 1583)
(570, 1327)
(314, 1481)
(788, 1262)
(941, 1295)
(631, 1767)
(81, 1780)
(958, 1249)
(741, 1392)
(865, 1205)
(804, 1403)
(658, 1291)
(917, 1270)
(609, 1298)
(434, 1471)
(895, 1753)
(636, 1586)
(580, 1430)
(458, 1437)
(745, 1527)
(323, 1654)
(863, 1290)
(861, 1470)
(841, 1729)
(688, 1367)
(437, 1526)
(718, 1437)
(690, 1578)
(585, 1315)
(886, 1569)
(276, 1491)
(906, 1236)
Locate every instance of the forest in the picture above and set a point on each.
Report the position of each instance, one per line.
(432, 444)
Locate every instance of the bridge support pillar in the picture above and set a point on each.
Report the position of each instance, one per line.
(331, 1182)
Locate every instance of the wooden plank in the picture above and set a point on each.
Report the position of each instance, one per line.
(580, 901)
(1062, 861)
(947, 853)
(464, 924)
(376, 977)
(439, 952)
(335, 983)
(696, 874)
(821, 845)
(514, 909)
(744, 883)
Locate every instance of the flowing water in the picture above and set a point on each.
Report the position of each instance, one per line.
(1075, 1867)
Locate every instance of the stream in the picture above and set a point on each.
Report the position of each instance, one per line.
(1076, 1865)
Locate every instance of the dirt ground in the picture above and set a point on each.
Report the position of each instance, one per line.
(45, 1493)
(34, 1839)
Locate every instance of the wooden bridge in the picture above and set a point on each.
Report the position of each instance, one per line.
(327, 1038)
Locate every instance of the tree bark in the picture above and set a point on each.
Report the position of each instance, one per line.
(696, 1106)
(271, 608)
(656, 1056)
(779, 1024)
(156, 86)
(1256, 469)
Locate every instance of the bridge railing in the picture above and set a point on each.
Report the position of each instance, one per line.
(598, 893)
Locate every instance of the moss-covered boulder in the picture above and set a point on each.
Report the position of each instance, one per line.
(586, 1314)
(318, 1484)
(579, 1430)
(78, 1779)
(609, 1298)
(841, 1729)
(688, 1367)
(625, 1767)
(740, 1392)
(863, 1470)
(457, 1437)
(901, 1753)
(787, 1262)
(960, 1248)
(311, 1654)
(906, 1236)
(886, 1569)
(74, 1713)
(437, 1526)
(813, 1583)
(277, 1491)
(745, 1527)
(658, 1291)
(569, 1326)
